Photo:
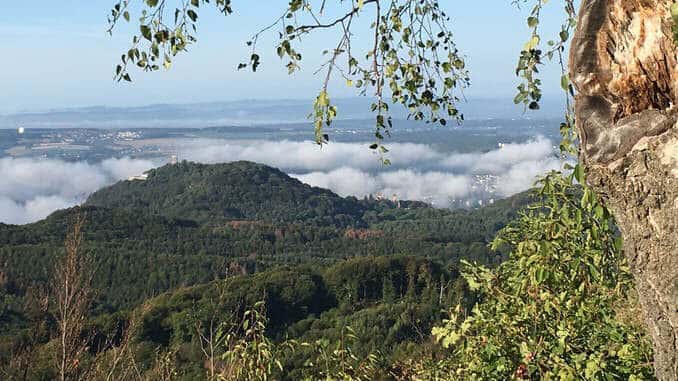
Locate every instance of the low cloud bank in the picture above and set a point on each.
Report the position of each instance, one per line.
(31, 189)
(296, 157)
(437, 188)
(417, 171)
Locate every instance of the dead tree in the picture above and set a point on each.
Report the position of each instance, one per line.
(623, 64)
(72, 292)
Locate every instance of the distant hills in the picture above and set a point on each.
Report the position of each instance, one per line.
(246, 113)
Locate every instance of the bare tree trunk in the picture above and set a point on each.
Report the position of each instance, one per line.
(623, 63)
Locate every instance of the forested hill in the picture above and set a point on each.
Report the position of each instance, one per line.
(192, 223)
(233, 191)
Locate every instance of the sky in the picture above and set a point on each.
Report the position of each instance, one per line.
(58, 55)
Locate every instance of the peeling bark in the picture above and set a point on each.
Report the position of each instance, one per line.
(624, 65)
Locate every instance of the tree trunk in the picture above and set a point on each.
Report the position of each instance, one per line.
(624, 66)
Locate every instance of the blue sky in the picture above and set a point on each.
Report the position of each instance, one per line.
(56, 54)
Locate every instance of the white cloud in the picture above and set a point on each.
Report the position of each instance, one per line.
(501, 159)
(438, 188)
(123, 168)
(522, 175)
(305, 156)
(343, 181)
(31, 189)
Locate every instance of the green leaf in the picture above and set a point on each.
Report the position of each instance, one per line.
(323, 99)
(532, 21)
(579, 173)
(564, 35)
(167, 63)
(145, 32)
(564, 82)
(192, 15)
(532, 43)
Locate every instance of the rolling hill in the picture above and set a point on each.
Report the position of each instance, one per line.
(234, 191)
(192, 223)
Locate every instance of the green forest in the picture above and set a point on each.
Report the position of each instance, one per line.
(202, 266)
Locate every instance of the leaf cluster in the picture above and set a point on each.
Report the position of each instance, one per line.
(549, 311)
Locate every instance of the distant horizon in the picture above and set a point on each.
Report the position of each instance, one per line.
(254, 112)
(548, 99)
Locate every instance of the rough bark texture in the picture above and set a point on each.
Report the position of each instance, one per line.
(624, 65)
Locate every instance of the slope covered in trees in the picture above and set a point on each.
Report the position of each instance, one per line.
(140, 249)
(234, 191)
(390, 302)
(190, 226)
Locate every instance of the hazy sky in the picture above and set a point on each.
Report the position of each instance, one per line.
(57, 54)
